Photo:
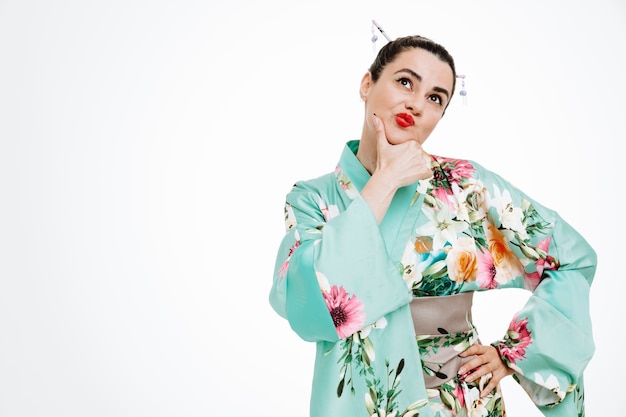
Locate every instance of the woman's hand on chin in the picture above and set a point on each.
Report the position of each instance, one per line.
(401, 164)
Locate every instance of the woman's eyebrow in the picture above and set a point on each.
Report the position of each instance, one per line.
(419, 78)
(410, 71)
(442, 91)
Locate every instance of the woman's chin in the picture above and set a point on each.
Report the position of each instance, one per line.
(397, 140)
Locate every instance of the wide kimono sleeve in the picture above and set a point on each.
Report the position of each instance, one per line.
(549, 342)
(333, 276)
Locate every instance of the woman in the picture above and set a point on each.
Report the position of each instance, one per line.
(382, 256)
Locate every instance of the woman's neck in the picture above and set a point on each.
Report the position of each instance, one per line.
(367, 153)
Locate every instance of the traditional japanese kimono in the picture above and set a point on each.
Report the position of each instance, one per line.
(389, 305)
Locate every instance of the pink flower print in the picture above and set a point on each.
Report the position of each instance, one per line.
(459, 394)
(455, 169)
(548, 262)
(544, 263)
(450, 171)
(346, 311)
(517, 339)
(461, 170)
(532, 280)
(442, 193)
(345, 183)
(486, 276)
(285, 266)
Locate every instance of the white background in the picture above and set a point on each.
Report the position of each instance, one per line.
(146, 148)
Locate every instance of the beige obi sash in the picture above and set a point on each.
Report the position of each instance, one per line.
(443, 328)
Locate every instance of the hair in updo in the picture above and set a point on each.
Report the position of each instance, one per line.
(389, 52)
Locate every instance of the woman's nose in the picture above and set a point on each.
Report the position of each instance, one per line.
(415, 104)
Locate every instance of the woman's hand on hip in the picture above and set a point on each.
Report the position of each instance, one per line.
(487, 360)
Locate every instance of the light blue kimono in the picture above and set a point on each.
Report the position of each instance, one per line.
(346, 283)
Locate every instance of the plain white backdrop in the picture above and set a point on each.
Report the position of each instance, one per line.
(146, 148)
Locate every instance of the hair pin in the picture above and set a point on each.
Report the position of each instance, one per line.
(381, 31)
(462, 91)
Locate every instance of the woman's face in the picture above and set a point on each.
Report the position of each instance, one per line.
(409, 96)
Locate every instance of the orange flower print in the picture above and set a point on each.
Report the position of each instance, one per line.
(462, 261)
(506, 263)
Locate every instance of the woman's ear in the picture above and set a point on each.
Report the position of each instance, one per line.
(366, 83)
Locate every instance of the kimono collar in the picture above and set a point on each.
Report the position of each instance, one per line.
(352, 175)
(350, 172)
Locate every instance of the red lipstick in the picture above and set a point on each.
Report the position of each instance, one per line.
(404, 120)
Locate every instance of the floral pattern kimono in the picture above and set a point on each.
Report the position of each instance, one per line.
(348, 283)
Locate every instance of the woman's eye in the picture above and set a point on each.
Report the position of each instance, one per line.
(405, 82)
(436, 98)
